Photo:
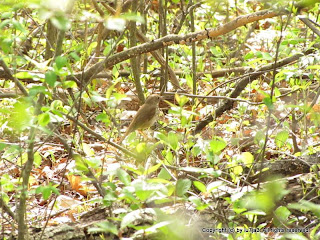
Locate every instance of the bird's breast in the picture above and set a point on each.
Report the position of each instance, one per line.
(148, 123)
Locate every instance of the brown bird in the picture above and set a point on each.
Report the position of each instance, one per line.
(146, 116)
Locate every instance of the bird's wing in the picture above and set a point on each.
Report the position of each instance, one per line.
(141, 119)
(149, 112)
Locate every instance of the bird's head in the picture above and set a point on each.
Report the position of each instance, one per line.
(153, 99)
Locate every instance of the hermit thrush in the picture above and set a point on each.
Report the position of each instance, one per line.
(146, 115)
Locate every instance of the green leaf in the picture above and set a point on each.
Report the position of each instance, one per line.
(6, 15)
(143, 190)
(115, 70)
(164, 174)
(2, 146)
(217, 145)
(110, 89)
(69, 84)
(153, 168)
(110, 196)
(197, 201)
(135, 215)
(169, 157)
(266, 56)
(94, 163)
(51, 78)
(80, 165)
(44, 119)
(61, 62)
(259, 138)
(141, 147)
(103, 118)
(304, 205)
(127, 195)
(182, 186)
(75, 56)
(249, 55)
(281, 138)
(173, 140)
(17, 25)
(154, 229)
(214, 185)
(12, 152)
(282, 214)
(265, 199)
(35, 90)
(37, 159)
(314, 232)
(104, 227)
(57, 105)
(189, 81)
(92, 46)
(216, 51)
(6, 44)
(123, 176)
(47, 191)
(313, 67)
(138, 171)
(87, 150)
(6, 183)
(247, 158)
(268, 102)
(210, 171)
(200, 186)
(181, 99)
(20, 116)
(170, 140)
(237, 170)
(4, 23)
(23, 75)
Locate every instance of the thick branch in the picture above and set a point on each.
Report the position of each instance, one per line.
(6, 208)
(10, 75)
(172, 39)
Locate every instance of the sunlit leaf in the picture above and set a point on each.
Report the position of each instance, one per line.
(281, 138)
(217, 145)
(44, 119)
(123, 176)
(200, 186)
(247, 158)
(51, 78)
(61, 62)
(182, 186)
(37, 159)
(104, 226)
